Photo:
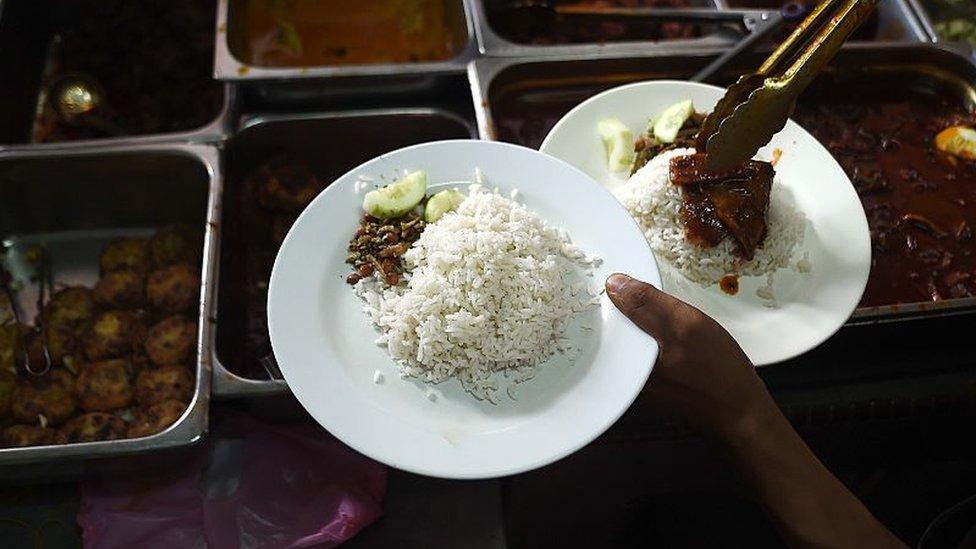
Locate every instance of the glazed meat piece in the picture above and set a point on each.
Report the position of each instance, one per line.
(37, 397)
(176, 244)
(737, 200)
(91, 427)
(173, 289)
(156, 384)
(155, 418)
(114, 334)
(104, 386)
(126, 254)
(123, 289)
(20, 436)
(8, 384)
(171, 341)
(286, 186)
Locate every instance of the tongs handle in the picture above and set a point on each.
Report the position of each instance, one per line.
(837, 19)
(757, 106)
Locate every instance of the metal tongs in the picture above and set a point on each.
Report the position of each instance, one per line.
(757, 106)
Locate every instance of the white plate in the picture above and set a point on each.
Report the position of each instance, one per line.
(323, 340)
(812, 306)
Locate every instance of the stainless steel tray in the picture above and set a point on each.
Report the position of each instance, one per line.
(331, 143)
(927, 23)
(75, 200)
(896, 22)
(492, 43)
(22, 60)
(573, 78)
(228, 67)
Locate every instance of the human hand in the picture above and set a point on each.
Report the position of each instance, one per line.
(702, 377)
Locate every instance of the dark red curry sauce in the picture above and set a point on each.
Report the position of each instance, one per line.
(920, 202)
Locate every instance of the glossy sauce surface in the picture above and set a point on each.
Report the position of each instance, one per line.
(920, 202)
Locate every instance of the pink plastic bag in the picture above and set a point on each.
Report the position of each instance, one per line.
(253, 485)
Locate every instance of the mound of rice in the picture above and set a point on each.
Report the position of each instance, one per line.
(655, 203)
(491, 288)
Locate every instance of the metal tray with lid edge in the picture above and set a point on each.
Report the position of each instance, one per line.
(213, 131)
(897, 22)
(590, 74)
(228, 67)
(399, 126)
(101, 173)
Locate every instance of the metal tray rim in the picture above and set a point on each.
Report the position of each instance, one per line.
(230, 69)
(192, 426)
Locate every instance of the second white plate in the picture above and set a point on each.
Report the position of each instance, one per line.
(812, 306)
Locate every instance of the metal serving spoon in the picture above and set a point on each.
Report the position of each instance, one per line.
(79, 100)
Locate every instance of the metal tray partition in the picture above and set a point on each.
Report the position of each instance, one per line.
(83, 197)
(331, 144)
(23, 47)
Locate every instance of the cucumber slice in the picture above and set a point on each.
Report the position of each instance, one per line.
(618, 143)
(441, 203)
(397, 198)
(666, 128)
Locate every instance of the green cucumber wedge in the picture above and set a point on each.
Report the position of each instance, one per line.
(667, 126)
(618, 143)
(441, 203)
(398, 198)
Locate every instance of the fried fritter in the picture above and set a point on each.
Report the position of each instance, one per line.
(171, 341)
(126, 254)
(42, 397)
(11, 347)
(287, 187)
(64, 345)
(156, 418)
(123, 289)
(8, 385)
(177, 244)
(19, 436)
(174, 289)
(114, 334)
(172, 382)
(92, 427)
(73, 306)
(104, 386)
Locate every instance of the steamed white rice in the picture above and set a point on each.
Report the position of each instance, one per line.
(491, 288)
(655, 203)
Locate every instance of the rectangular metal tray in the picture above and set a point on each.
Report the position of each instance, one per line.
(331, 143)
(76, 201)
(24, 43)
(562, 83)
(927, 22)
(229, 68)
(896, 22)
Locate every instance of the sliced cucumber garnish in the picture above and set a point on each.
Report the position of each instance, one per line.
(667, 126)
(441, 203)
(397, 198)
(618, 143)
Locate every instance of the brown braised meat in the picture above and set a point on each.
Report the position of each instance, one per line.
(732, 202)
